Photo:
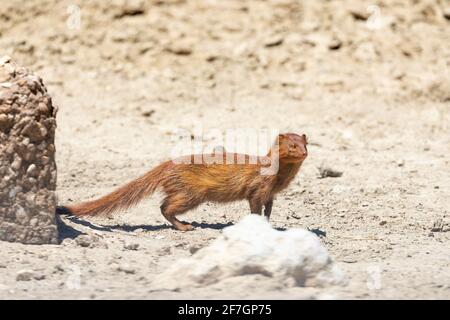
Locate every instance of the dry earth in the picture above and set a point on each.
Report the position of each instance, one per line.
(371, 89)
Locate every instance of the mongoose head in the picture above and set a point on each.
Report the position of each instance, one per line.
(292, 147)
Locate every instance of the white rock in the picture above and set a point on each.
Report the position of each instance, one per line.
(251, 247)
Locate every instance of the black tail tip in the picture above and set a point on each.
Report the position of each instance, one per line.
(61, 210)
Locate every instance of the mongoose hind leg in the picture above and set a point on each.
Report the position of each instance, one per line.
(176, 205)
(268, 208)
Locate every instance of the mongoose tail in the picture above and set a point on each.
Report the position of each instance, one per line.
(122, 198)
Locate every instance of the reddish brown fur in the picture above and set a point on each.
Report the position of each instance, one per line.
(188, 185)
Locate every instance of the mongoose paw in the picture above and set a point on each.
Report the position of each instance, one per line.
(185, 227)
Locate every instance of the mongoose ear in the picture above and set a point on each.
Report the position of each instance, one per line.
(279, 140)
(305, 138)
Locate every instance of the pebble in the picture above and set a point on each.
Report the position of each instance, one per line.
(28, 275)
(438, 226)
(295, 216)
(274, 41)
(335, 44)
(181, 48)
(194, 248)
(126, 269)
(84, 240)
(131, 246)
(360, 14)
(446, 13)
(326, 172)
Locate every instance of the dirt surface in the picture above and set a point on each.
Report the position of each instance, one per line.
(369, 85)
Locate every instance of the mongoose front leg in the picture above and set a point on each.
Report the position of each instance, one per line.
(255, 206)
(268, 208)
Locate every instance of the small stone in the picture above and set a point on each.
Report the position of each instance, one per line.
(383, 222)
(25, 275)
(349, 261)
(35, 131)
(130, 8)
(359, 14)
(4, 60)
(295, 216)
(274, 41)
(32, 170)
(446, 13)
(148, 113)
(181, 48)
(438, 226)
(126, 269)
(58, 268)
(131, 246)
(84, 240)
(335, 44)
(194, 248)
(39, 277)
(325, 172)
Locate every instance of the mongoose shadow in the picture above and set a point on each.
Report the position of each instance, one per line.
(69, 232)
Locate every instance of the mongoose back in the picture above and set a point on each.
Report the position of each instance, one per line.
(187, 184)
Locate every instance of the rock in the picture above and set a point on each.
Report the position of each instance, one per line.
(274, 41)
(440, 225)
(131, 246)
(295, 216)
(438, 90)
(27, 158)
(181, 47)
(4, 60)
(58, 269)
(129, 8)
(126, 269)
(335, 44)
(28, 275)
(24, 275)
(39, 277)
(194, 248)
(148, 113)
(359, 14)
(325, 172)
(86, 240)
(253, 247)
(446, 13)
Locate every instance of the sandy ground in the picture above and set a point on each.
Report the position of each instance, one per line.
(371, 89)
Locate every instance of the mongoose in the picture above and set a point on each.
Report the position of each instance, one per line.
(187, 183)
